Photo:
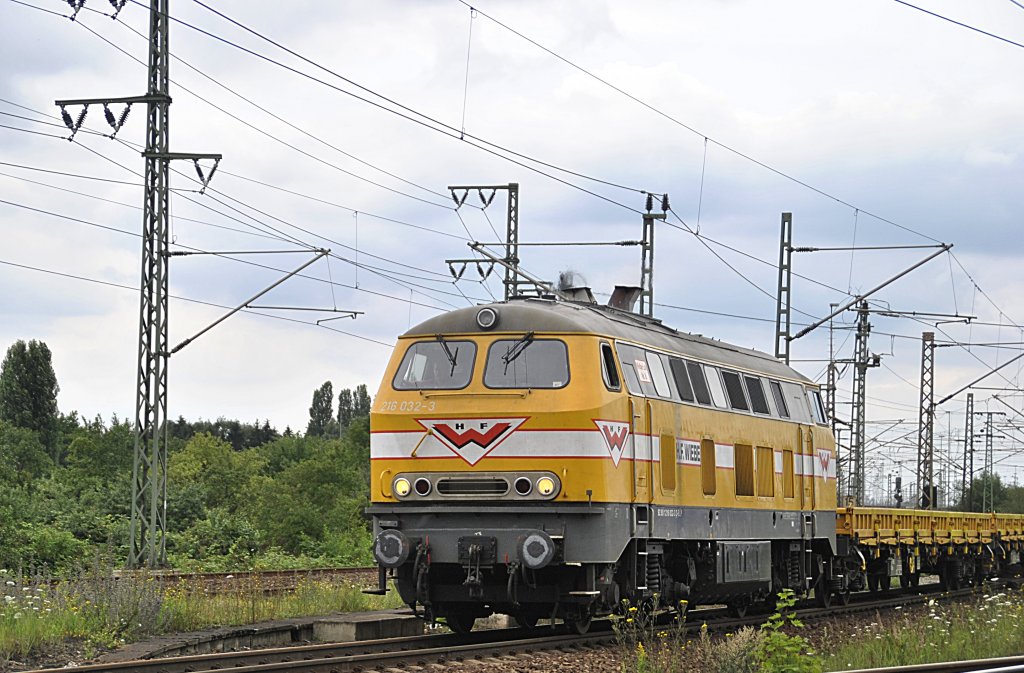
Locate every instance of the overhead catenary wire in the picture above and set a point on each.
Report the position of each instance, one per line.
(261, 131)
(235, 117)
(266, 111)
(528, 162)
(693, 130)
(961, 24)
(221, 255)
(220, 171)
(190, 300)
(376, 270)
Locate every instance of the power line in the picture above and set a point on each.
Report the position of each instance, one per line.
(71, 175)
(411, 114)
(369, 267)
(376, 270)
(190, 300)
(228, 257)
(961, 24)
(338, 205)
(691, 129)
(267, 133)
(270, 135)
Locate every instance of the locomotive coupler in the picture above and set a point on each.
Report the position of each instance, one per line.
(513, 583)
(474, 578)
(421, 571)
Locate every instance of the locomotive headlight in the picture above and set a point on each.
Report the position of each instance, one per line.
(402, 487)
(545, 486)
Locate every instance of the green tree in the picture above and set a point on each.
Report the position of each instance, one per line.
(22, 456)
(975, 500)
(361, 402)
(220, 474)
(321, 413)
(28, 392)
(345, 409)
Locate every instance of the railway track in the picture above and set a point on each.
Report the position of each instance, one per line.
(1000, 665)
(364, 655)
(373, 655)
(263, 581)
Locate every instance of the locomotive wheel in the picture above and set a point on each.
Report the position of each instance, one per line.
(526, 620)
(578, 621)
(460, 621)
(737, 608)
(822, 596)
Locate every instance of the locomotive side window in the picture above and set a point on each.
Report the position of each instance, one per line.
(737, 400)
(755, 390)
(667, 444)
(608, 371)
(708, 474)
(780, 400)
(436, 365)
(632, 382)
(787, 473)
(799, 408)
(678, 368)
(636, 370)
(744, 460)
(656, 366)
(765, 471)
(700, 384)
(817, 407)
(715, 387)
(527, 363)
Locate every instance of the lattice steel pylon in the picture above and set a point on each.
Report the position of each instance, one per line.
(861, 362)
(783, 294)
(988, 490)
(967, 476)
(926, 425)
(647, 255)
(149, 468)
(511, 282)
(460, 193)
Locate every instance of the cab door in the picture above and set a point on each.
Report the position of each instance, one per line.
(642, 448)
(808, 469)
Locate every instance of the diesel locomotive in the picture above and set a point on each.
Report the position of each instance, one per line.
(545, 458)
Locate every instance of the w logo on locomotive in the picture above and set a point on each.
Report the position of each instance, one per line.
(471, 438)
(824, 458)
(615, 434)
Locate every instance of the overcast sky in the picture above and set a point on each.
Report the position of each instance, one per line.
(873, 122)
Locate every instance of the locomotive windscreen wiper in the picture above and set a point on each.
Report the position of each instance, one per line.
(453, 358)
(516, 349)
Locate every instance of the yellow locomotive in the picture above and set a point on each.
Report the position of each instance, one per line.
(541, 457)
(549, 458)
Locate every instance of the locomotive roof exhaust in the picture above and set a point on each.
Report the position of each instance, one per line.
(624, 297)
(580, 294)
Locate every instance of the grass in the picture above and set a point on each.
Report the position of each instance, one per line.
(988, 626)
(101, 612)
